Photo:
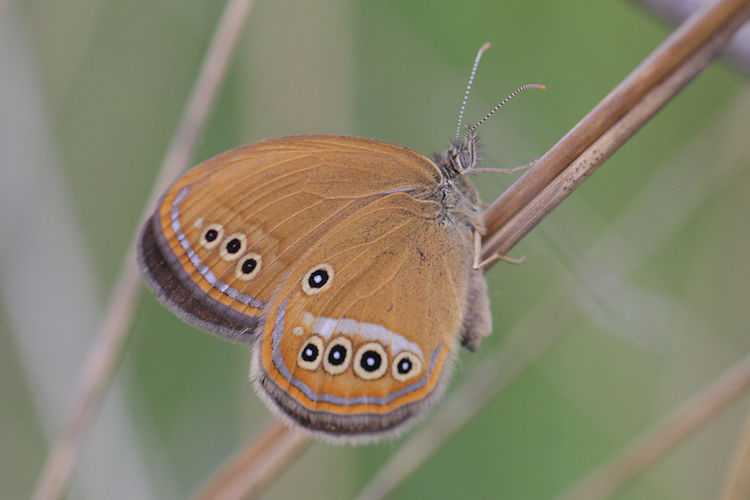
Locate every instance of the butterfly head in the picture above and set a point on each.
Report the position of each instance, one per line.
(462, 156)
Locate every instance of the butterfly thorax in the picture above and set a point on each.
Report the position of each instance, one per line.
(458, 196)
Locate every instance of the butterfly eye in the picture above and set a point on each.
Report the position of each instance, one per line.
(371, 361)
(317, 279)
(406, 365)
(212, 236)
(248, 267)
(311, 353)
(338, 355)
(465, 160)
(233, 246)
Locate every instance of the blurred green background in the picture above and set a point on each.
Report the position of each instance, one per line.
(90, 93)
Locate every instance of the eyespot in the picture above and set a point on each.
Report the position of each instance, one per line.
(338, 355)
(311, 353)
(406, 365)
(233, 246)
(248, 267)
(371, 361)
(211, 236)
(317, 279)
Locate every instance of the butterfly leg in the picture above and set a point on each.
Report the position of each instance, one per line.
(480, 264)
(504, 170)
(510, 260)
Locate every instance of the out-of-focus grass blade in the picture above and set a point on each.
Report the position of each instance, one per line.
(46, 284)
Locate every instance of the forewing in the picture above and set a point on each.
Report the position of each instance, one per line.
(227, 233)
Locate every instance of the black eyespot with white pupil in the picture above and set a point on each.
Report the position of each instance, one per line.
(234, 245)
(404, 366)
(310, 352)
(211, 236)
(249, 265)
(317, 279)
(370, 361)
(337, 355)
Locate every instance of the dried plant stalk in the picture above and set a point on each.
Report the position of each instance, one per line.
(674, 12)
(252, 469)
(112, 335)
(737, 486)
(694, 34)
(666, 435)
(610, 140)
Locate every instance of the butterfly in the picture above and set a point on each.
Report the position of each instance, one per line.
(350, 265)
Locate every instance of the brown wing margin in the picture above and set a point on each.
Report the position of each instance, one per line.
(356, 429)
(174, 289)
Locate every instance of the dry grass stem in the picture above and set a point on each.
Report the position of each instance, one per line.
(113, 333)
(672, 430)
(675, 12)
(612, 138)
(688, 39)
(254, 468)
(609, 125)
(737, 485)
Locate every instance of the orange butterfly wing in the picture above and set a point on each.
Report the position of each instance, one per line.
(282, 194)
(400, 280)
(233, 240)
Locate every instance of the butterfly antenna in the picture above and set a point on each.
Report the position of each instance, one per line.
(503, 102)
(468, 87)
